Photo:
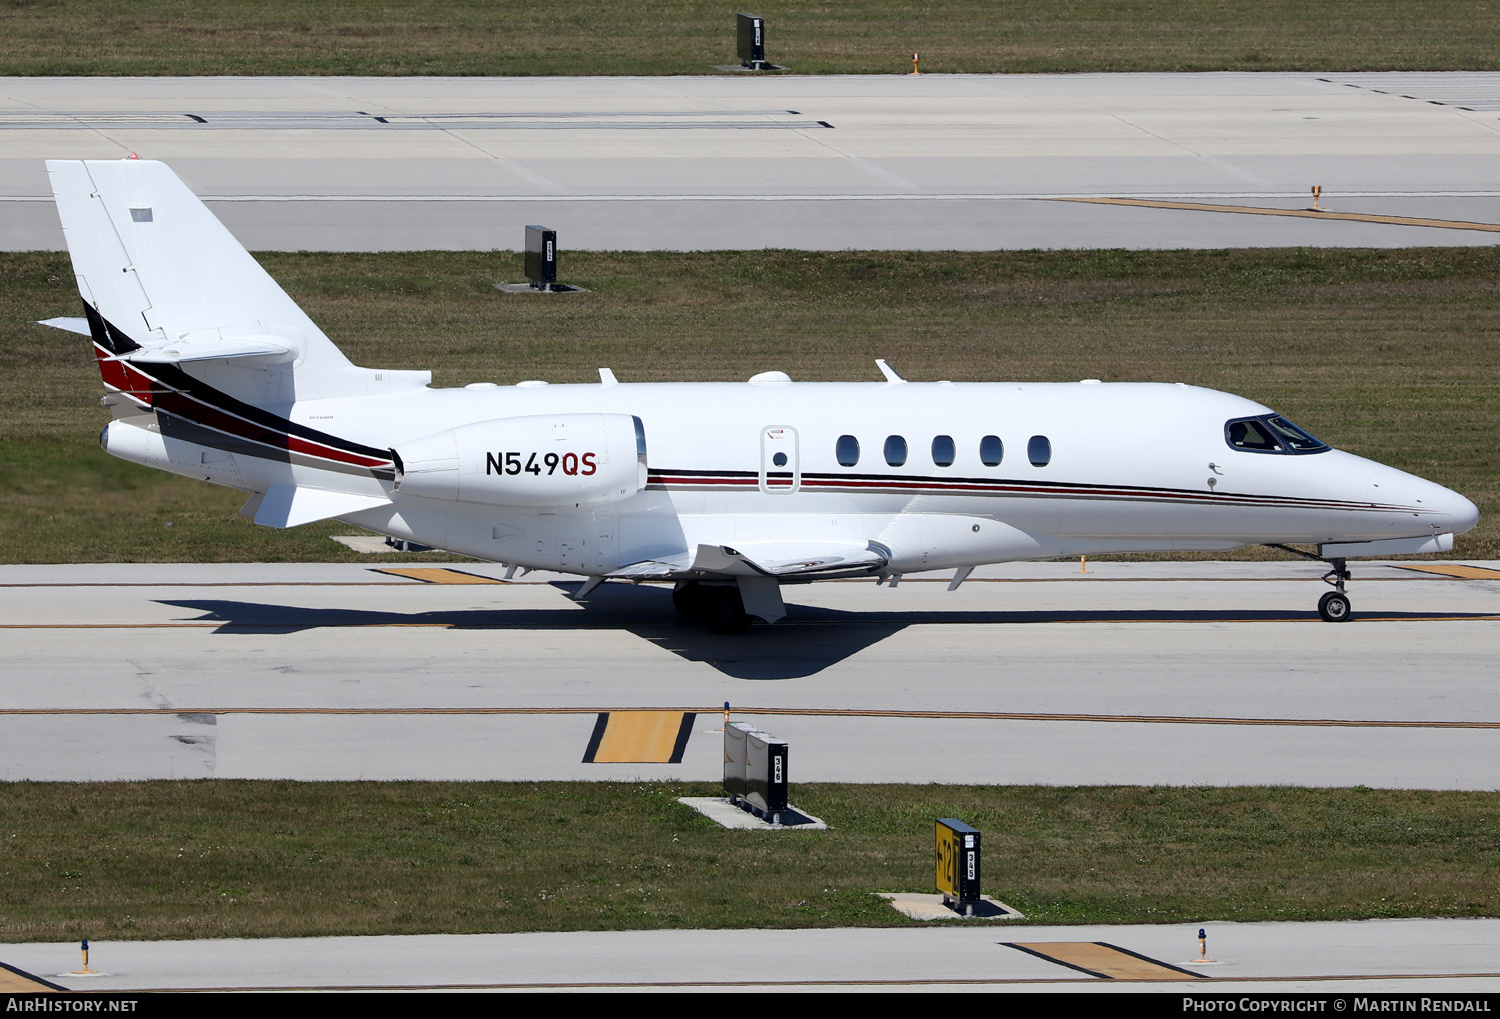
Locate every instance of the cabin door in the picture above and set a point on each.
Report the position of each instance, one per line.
(779, 470)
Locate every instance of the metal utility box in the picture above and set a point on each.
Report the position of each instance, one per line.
(755, 770)
(752, 40)
(541, 256)
(958, 864)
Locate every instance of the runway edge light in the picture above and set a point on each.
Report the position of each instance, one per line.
(958, 865)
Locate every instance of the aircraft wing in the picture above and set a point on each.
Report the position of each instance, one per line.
(783, 560)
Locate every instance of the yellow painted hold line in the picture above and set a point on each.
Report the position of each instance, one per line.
(15, 981)
(639, 737)
(1100, 959)
(1455, 570)
(1255, 210)
(438, 575)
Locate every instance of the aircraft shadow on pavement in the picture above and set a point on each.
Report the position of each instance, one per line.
(808, 641)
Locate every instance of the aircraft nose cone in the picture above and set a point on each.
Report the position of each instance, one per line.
(1464, 513)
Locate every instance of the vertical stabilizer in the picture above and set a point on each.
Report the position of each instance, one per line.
(167, 276)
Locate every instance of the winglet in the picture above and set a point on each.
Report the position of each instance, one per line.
(891, 374)
(607, 378)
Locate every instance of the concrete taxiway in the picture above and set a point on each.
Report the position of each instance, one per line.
(874, 162)
(1400, 956)
(1172, 673)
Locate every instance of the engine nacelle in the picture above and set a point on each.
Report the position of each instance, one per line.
(547, 460)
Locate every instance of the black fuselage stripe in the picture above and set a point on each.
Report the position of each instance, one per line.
(114, 340)
(990, 487)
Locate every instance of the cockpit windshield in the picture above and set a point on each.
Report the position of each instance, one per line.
(1270, 433)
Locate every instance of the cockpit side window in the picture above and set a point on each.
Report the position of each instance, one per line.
(1270, 433)
(1298, 440)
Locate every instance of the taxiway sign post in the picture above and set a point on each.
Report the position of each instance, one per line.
(541, 257)
(958, 865)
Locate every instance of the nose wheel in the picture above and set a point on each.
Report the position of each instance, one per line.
(1334, 606)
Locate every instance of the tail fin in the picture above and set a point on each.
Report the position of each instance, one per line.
(168, 283)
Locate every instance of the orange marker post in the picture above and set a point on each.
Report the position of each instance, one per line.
(1083, 564)
(1317, 192)
(916, 67)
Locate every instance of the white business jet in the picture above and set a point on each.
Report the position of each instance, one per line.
(727, 489)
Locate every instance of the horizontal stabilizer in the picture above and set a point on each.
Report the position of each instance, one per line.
(210, 349)
(292, 505)
(72, 325)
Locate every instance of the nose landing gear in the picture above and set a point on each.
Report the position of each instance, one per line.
(1334, 606)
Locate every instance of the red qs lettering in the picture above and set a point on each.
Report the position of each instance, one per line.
(570, 463)
(589, 466)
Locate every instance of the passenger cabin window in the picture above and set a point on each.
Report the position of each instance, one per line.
(1270, 433)
(1039, 450)
(847, 451)
(943, 451)
(895, 450)
(991, 451)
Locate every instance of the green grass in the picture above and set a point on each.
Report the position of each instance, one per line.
(474, 37)
(1390, 354)
(230, 859)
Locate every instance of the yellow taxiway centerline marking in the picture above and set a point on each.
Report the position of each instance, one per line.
(1255, 210)
(679, 714)
(229, 624)
(1065, 579)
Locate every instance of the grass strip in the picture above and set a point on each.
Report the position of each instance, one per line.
(1391, 354)
(215, 858)
(480, 37)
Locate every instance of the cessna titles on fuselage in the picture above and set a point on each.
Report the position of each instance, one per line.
(728, 490)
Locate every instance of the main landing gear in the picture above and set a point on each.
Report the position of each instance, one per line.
(718, 605)
(1334, 606)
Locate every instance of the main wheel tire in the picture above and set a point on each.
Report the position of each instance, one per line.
(691, 599)
(1334, 607)
(726, 613)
